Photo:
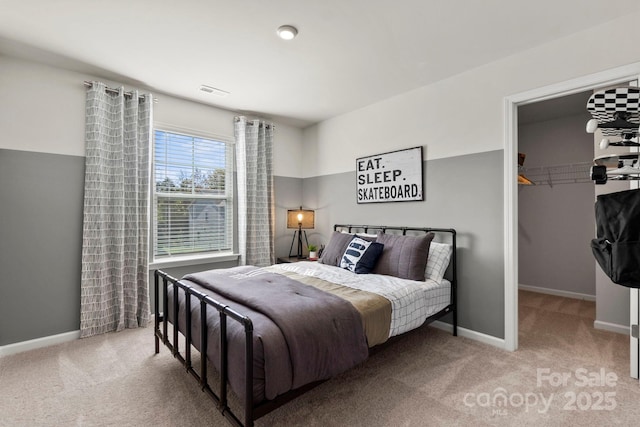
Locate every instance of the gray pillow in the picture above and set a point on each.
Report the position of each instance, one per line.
(332, 254)
(403, 256)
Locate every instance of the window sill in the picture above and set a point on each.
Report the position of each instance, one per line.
(192, 260)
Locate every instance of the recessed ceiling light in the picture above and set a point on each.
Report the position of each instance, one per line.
(287, 32)
(213, 90)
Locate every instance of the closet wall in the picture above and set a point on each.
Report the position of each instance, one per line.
(556, 220)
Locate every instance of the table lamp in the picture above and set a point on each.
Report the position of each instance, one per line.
(300, 220)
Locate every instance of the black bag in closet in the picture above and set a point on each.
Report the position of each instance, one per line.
(617, 246)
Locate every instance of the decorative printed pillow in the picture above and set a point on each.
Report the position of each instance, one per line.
(438, 261)
(404, 256)
(361, 255)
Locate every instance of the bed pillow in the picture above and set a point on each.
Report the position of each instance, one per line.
(438, 260)
(332, 253)
(366, 236)
(403, 256)
(361, 255)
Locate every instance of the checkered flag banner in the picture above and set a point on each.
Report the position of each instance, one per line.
(604, 103)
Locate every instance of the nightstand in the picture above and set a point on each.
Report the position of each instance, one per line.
(286, 260)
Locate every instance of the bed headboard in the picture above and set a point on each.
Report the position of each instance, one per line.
(446, 235)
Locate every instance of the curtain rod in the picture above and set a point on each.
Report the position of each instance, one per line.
(262, 122)
(112, 90)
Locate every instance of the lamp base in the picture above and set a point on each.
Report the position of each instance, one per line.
(299, 253)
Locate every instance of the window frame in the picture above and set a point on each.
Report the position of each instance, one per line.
(230, 197)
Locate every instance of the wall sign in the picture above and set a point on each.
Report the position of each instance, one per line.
(390, 177)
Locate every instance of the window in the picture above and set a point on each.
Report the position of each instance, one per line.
(192, 195)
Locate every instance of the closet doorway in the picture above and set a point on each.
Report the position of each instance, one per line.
(512, 104)
(556, 270)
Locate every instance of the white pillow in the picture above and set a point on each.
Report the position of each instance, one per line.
(437, 261)
(367, 235)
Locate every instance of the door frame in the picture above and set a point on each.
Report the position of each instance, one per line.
(511, 103)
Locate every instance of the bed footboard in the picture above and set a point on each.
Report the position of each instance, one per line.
(221, 397)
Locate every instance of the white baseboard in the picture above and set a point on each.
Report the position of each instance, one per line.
(611, 327)
(19, 347)
(463, 332)
(468, 333)
(557, 292)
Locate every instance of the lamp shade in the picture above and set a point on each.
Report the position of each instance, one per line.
(303, 218)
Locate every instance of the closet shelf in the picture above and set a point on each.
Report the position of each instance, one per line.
(559, 174)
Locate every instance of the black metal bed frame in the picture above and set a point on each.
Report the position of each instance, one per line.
(251, 412)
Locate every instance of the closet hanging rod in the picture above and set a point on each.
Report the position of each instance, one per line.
(112, 90)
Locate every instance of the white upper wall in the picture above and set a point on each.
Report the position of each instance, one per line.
(464, 114)
(43, 107)
(43, 111)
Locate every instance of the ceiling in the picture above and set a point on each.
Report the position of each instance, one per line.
(348, 53)
(554, 108)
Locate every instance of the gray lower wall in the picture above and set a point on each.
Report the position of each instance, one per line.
(41, 234)
(461, 192)
(41, 202)
(40, 244)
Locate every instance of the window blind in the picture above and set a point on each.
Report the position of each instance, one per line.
(193, 195)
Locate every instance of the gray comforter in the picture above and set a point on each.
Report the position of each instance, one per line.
(301, 334)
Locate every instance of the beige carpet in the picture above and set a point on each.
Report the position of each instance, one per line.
(425, 378)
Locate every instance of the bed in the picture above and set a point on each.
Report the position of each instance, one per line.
(273, 333)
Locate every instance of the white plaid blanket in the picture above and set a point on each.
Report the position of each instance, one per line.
(411, 301)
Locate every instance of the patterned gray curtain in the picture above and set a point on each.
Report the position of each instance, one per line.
(114, 286)
(256, 222)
